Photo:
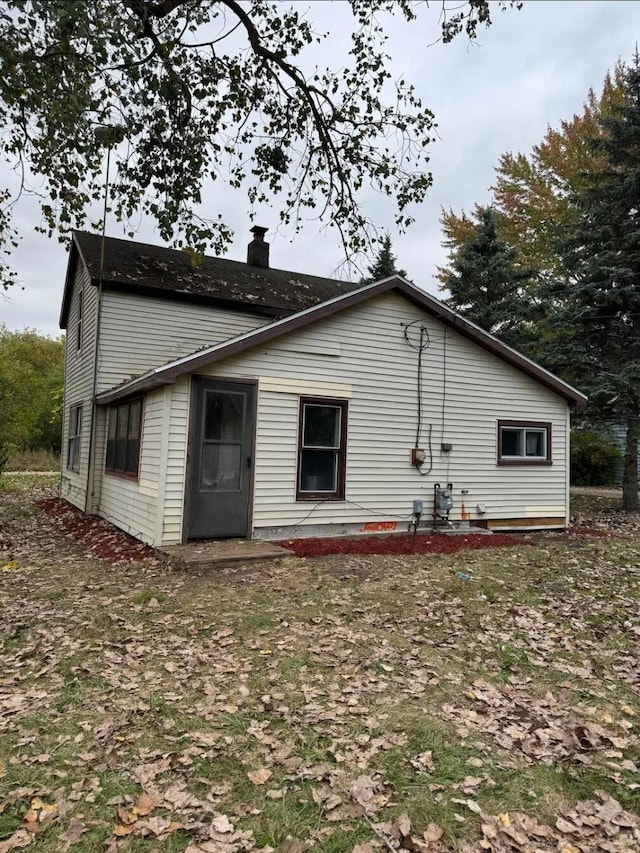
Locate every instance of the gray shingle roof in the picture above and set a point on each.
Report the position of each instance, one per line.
(168, 272)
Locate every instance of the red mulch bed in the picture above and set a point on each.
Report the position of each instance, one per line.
(99, 537)
(107, 542)
(402, 544)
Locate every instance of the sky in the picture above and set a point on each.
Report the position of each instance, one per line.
(531, 69)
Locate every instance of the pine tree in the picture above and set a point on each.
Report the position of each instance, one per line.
(384, 265)
(487, 285)
(601, 314)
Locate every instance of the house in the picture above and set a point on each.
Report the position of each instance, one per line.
(236, 400)
(618, 433)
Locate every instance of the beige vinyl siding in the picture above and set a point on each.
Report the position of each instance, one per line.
(128, 503)
(376, 362)
(567, 451)
(78, 386)
(176, 461)
(139, 333)
(99, 454)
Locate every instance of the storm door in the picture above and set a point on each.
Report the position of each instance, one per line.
(222, 450)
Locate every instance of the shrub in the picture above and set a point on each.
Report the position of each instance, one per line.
(595, 458)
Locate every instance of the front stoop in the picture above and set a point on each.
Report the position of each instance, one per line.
(220, 553)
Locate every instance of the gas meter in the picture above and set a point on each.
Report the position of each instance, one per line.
(442, 503)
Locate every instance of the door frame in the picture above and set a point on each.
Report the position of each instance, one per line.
(193, 400)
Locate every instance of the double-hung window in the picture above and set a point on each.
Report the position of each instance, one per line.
(75, 438)
(123, 438)
(524, 443)
(322, 449)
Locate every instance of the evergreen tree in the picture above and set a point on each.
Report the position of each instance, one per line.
(600, 317)
(384, 264)
(487, 285)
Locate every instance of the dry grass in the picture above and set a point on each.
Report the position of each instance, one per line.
(33, 460)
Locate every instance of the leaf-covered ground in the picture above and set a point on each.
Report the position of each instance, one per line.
(345, 703)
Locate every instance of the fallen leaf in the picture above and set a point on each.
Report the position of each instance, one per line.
(565, 826)
(222, 824)
(404, 825)
(433, 832)
(20, 838)
(423, 762)
(259, 777)
(472, 805)
(275, 794)
(362, 789)
(74, 832)
(291, 845)
(470, 782)
(144, 805)
(158, 827)
(126, 817)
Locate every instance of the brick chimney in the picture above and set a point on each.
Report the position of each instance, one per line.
(258, 250)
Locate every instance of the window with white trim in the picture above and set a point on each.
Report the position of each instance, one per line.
(75, 438)
(322, 449)
(524, 443)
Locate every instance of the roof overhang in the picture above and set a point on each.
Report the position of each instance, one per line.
(169, 372)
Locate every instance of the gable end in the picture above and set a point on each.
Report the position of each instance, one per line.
(167, 373)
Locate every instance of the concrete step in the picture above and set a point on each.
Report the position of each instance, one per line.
(217, 553)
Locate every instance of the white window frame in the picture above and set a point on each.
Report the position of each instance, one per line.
(524, 427)
(74, 440)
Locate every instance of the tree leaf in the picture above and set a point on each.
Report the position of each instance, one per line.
(260, 776)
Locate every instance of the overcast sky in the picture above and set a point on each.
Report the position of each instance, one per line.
(531, 69)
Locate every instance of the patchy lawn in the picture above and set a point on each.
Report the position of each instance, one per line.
(343, 703)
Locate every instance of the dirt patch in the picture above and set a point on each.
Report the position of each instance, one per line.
(98, 536)
(403, 544)
(586, 531)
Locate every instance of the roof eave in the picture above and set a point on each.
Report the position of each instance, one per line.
(74, 254)
(141, 385)
(487, 341)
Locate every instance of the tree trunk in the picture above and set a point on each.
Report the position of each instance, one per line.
(630, 501)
